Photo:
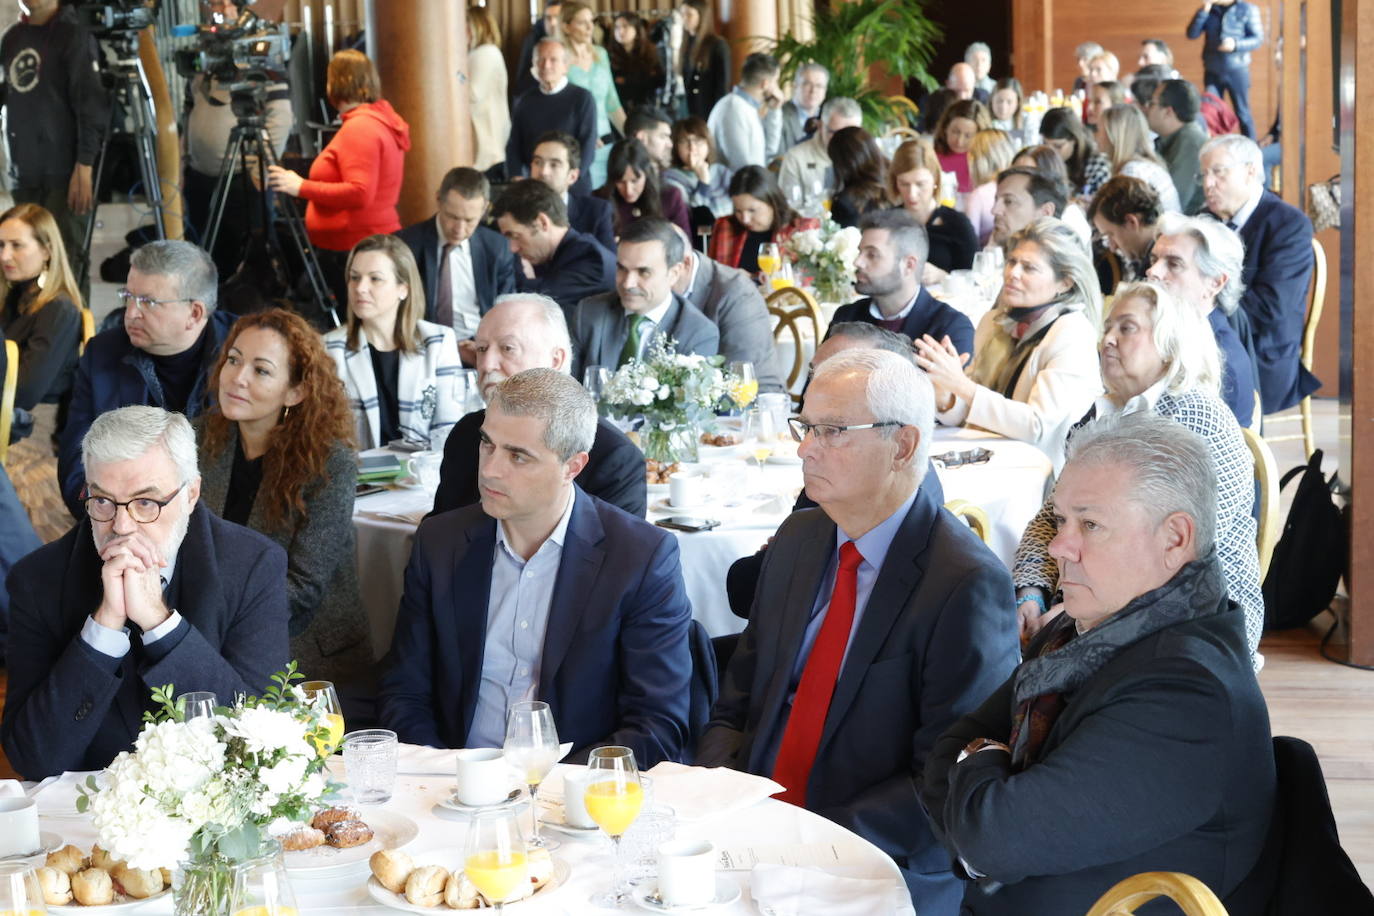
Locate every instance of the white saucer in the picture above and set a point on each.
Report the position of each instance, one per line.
(452, 803)
(666, 505)
(552, 818)
(47, 842)
(646, 894)
(788, 460)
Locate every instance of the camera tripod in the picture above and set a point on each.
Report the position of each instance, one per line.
(249, 139)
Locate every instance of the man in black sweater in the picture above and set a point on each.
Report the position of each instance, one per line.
(554, 104)
(554, 259)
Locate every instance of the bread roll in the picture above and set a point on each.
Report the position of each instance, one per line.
(93, 887)
(56, 885)
(391, 868)
(460, 893)
(138, 883)
(166, 876)
(425, 886)
(541, 867)
(68, 859)
(103, 858)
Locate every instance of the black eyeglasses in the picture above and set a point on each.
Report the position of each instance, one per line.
(828, 434)
(143, 509)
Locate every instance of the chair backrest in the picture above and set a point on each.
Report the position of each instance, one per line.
(906, 106)
(795, 312)
(903, 133)
(1257, 415)
(1192, 896)
(1316, 299)
(973, 514)
(1267, 475)
(87, 328)
(7, 397)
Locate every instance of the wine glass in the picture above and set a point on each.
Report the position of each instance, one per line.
(595, 379)
(770, 259)
(20, 891)
(613, 798)
(746, 387)
(323, 694)
(494, 856)
(760, 435)
(532, 748)
(261, 888)
(782, 278)
(197, 704)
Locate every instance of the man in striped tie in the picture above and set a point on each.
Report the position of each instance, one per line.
(879, 620)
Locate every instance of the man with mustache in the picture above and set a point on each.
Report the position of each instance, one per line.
(613, 328)
(150, 588)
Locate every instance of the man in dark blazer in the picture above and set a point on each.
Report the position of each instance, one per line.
(554, 104)
(525, 331)
(149, 589)
(1278, 265)
(556, 154)
(541, 592)
(851, 667)
(892, 256)
(454, 246)
(1134, 738)
(555, 260)
(611, 329)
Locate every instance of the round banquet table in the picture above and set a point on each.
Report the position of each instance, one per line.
(749, 502)
(769, 828)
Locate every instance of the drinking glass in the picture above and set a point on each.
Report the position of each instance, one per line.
(760, 434)
(532, 748)
(370, 762)
(469, 393)
(770, 259)
(494, 855)
(261, 888)
(613, 798)
(782, 278)
(595, 379)
(197, 704)
(19, 890)
(746, 388)
(323, 694)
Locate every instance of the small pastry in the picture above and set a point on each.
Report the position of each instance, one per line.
(391, 867)
(302, 837)
(68, 859)
(56, 885)
(460, 893)
(102, 858)
(93, 887)
(425, 886)
(139, 883)
(166, 876)
(323, 819)
(541, 867)
(345, 834)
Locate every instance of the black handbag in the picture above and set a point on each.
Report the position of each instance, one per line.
(1310, 557)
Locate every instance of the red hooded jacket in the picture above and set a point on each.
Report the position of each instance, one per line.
(355, 182)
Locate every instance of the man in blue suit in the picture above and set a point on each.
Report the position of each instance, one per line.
(541, 592)
(555, 260)
(1278, 265)
(879, 619)
(463, 265)
(149, 589)
(554, 162)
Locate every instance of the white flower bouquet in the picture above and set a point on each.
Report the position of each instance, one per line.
(825, 253)
(673, 392)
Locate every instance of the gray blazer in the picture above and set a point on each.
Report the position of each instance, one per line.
(330, 638)
(728, 297)
(599, 327)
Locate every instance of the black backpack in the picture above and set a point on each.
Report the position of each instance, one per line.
(1310, 556)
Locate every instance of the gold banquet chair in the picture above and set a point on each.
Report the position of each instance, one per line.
(1267, 474)
(1192, 896)
(793, 310)
(7, 397)
(87, 328)
(1316, 299)
(974, 515)
(906, 107)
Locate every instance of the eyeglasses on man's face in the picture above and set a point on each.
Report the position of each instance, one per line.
(828, 434)
(143, 509)
(146, 303)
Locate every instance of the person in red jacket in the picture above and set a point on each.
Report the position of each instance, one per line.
(356, 180)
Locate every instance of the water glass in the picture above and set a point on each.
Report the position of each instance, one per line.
(370, 762)
(19, 889)
(656, 826)
(468, 392)
(197, 704)
(595, 379)
(532, 748)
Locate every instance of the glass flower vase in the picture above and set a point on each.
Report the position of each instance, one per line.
(669, 444)
(206, 885)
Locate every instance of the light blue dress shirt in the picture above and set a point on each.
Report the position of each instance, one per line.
(115, 643)
(517, 619)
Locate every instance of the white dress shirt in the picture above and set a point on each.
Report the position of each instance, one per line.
(462, 285)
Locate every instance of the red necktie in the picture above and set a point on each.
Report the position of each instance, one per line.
(802, 738)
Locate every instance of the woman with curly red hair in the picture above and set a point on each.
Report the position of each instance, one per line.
(277, 456)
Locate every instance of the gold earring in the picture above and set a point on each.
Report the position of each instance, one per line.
(286, 412)
(43, 277)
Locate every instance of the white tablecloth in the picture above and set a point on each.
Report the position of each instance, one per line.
(765, 826)
(1010, 488)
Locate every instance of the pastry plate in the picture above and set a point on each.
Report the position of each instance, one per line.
(124, 904)
(389, 831)
(450, 858)
(646, 895)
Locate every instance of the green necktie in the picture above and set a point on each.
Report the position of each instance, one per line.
(631, 349)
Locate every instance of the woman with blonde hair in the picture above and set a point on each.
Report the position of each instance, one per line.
(398, 371)
(1035, 352)
(487, 90)
(1125, 139)
(913, 181)
(990, 153)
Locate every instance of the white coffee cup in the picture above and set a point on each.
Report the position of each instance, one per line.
(687, 873)
(686, 488)
(484, 776)
(575, 784)
(18, 826)
(424, 467)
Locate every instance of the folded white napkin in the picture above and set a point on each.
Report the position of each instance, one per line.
(697, 793)
(419, 760)
(56, 795)
(781, 890)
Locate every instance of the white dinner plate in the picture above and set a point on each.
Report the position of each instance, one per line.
(646, 895)
(123, 904)
(449, 858)
(389, 831)
(452, 803)
(788, 459)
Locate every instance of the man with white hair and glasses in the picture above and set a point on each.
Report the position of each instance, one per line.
(150, 588)
(875, 623)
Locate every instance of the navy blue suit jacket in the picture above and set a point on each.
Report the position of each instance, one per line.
(493, 265)
(592, 216)
(1278, 269)
(73, 708)
(928, 316)
(616, 667)
(580, 267)
(1238, 379)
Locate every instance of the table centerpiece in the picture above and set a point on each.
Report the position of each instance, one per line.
(825, 254)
